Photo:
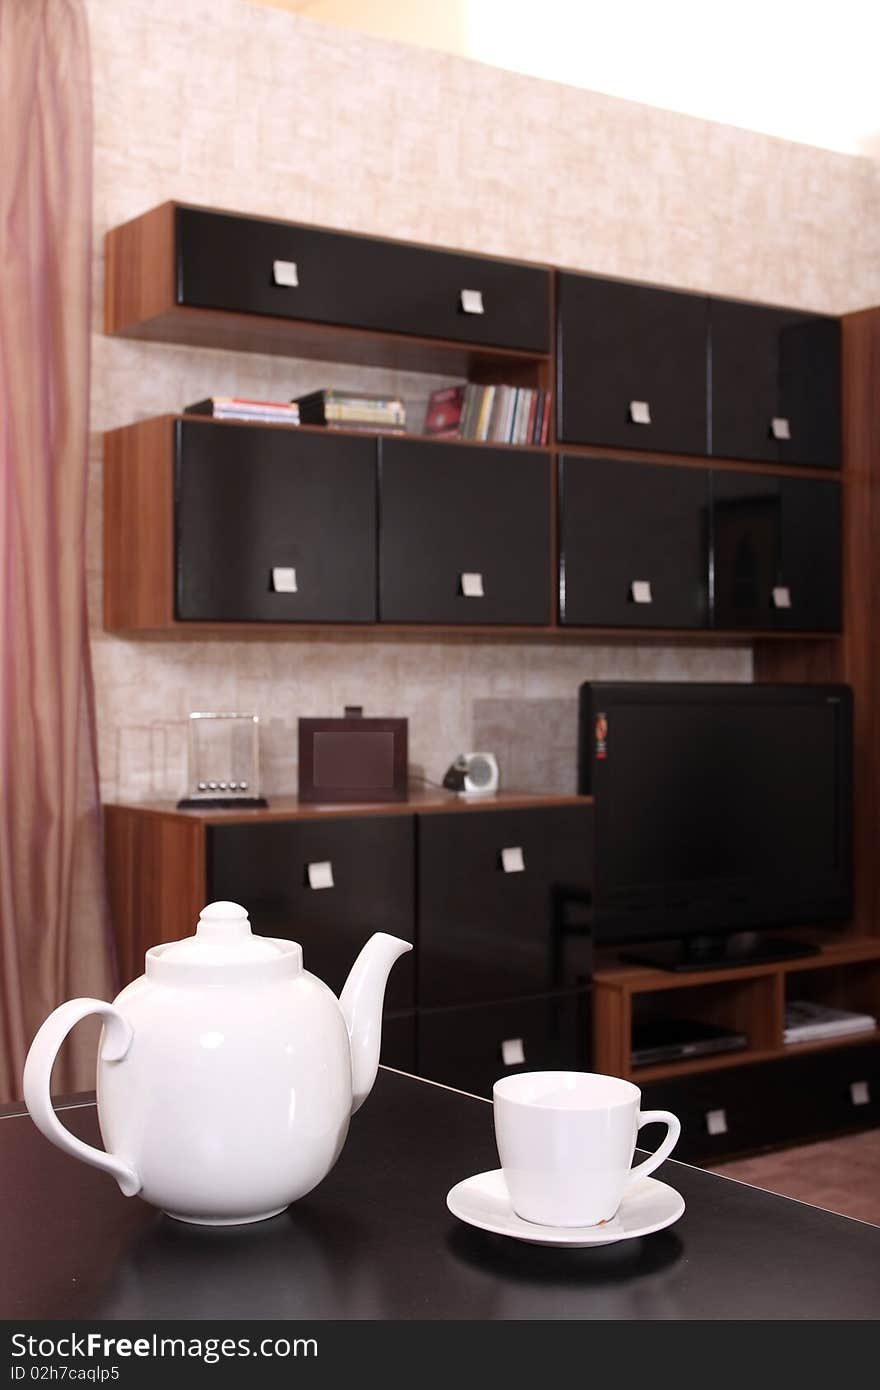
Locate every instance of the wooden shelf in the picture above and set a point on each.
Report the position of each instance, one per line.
(575, 450)
(697, 1065)
(788, 470)
(611, 636)
(644, 979)
(324, 430)
(232, 332)
(746, 1056)
(430, 802)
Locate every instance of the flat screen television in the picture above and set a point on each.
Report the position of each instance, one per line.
(721, 812)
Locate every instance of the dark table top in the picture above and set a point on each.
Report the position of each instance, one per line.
(375, 1240)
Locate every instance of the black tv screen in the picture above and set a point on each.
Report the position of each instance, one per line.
(718, 807)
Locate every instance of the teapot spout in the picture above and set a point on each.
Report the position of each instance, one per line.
(361, 1004)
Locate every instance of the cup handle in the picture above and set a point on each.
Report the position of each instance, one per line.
(115, 1042)
(673, 1130)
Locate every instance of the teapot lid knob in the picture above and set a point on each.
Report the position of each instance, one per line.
(223, 922)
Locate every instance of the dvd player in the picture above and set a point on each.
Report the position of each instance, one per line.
(671, 1040)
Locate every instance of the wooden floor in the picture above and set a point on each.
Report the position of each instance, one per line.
(841, 1175)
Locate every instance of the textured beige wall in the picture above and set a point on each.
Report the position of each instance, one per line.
(228, 104)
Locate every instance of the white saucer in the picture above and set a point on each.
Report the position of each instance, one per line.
(483, 1201)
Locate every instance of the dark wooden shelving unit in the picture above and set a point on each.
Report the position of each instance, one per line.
(163, 266)
(146, 299)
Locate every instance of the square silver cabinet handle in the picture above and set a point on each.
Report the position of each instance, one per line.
(513, 860)
(716, 1121)
(780, 427)
(320, 874)
(285, 273)
(860, 1093)
(640, 412)
(472, 302)
(513, 1052)
(471, 585)
(640, 591)
(782, 596)
(284, 580)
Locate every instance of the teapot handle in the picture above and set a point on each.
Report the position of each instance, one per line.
(115, 1042)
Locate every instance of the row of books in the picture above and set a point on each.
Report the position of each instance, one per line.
(806, 1021)
(503, 414)
(238, 408)
(353, 410)
(350, 410)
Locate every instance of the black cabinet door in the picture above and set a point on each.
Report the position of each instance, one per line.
(776, 548)
(633, 544)
(366, 865)
(732, 1110)
(632, 366)
(464, 534)
(273, 525)
(399, 1041)
(775, 384)
(473, 1048)
(742, 1109)
(254, 266)
(504, 903)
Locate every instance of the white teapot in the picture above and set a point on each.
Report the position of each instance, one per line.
(226, 1073)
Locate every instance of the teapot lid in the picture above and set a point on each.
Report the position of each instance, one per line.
(222, 937)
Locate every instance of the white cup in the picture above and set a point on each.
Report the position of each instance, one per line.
(566, 1141)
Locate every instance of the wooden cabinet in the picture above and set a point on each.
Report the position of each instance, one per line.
(328, 884)
(273, 526)
(632, 366)
(383, 869)
(464, 534)
(503, 904)
(472, 1048)
(634, 544)
(775, 385)
(776, 545)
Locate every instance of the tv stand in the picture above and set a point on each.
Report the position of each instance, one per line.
(769, 1092)
(716, 952)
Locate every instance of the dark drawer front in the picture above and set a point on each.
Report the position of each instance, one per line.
(726, 1112)
(266, 868)
(777, 558)
(747, 1108)
(634, 544)
(226, 262)
(626, 353)
(251, 502)
(775, 365)
(490, 929)
(472, 1048)
(448, 512)
(841, 1087)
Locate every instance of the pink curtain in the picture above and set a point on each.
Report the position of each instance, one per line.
(54, 938)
